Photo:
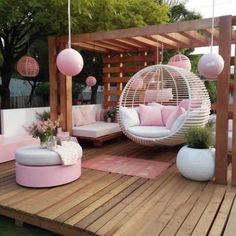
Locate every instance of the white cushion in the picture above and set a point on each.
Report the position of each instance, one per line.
(129, 117)
(35, 156)
(178, 122)
(96, 129)
(149, 131)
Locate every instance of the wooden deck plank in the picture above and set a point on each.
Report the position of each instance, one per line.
(191, 220)
(102, 203)
(77, 197)
(180, 215)
(230, 229)
(121, 210)
(204, 224)
(140, 214)
(79, 216)
(223, 214)
(160, 214)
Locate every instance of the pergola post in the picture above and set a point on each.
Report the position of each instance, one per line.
(233, 180)
(52, 53)
(222, 103)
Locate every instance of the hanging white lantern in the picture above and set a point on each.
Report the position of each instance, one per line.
(210, 65)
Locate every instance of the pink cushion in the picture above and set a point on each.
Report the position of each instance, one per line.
(100, 115)
(84, 116)
(166, 112)
(185, 103)
(150, 115)
(173, 116)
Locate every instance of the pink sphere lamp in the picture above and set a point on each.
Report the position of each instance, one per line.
(210, 65)
(27, 67)
(69, 61)
(91, 81)
(180, 60)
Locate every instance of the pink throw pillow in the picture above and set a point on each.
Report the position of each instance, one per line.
(150, 115)
(84, 116)
(166, 112)
(173, 116)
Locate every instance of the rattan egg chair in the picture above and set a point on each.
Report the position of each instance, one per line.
(168, 86)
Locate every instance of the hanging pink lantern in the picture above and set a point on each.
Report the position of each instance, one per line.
(91, 81)
(27, 67)
(180, 60)
(137, 84)
(211, 65)
(69, 62)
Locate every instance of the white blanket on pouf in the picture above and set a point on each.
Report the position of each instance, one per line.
(69, 152)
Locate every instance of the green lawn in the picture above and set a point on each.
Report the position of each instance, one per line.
(8, 228)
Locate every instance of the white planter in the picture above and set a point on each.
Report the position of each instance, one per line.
(196, 164)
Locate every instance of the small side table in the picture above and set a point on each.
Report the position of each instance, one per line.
(39, 168)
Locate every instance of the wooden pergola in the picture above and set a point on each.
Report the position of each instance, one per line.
(126, 51)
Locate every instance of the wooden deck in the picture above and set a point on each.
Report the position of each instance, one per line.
(102, 203)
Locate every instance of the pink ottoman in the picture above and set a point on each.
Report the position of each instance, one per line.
(38, 168)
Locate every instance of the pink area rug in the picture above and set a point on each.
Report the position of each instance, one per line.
(127, 166)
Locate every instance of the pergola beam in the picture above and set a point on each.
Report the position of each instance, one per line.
(143, 31)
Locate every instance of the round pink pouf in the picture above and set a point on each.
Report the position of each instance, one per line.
(39, 168)
(91, 81)
(46, 176)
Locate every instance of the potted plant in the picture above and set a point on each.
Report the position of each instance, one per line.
(110, 115)
(196, 160)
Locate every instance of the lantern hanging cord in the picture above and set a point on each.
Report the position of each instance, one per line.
(212, 24)
(69, 25)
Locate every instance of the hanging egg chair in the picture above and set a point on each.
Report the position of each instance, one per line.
(160, 111)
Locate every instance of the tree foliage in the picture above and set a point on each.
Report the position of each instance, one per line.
(23, 22)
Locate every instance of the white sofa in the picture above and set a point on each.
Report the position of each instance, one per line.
(94, 128)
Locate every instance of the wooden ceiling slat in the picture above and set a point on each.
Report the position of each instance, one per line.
(90, 47)
(167, 42)
(118, 44)
(207, 32)
(123, 44)
(180, 39)
(195, 36)
(107, 46)
(131, 42)
(146, 41)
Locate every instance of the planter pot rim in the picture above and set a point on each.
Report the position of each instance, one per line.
(186, 146)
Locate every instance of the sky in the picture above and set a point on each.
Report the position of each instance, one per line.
(204, 7)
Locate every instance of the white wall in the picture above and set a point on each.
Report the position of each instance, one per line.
(14, 120)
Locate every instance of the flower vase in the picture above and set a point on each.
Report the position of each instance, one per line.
(43, 142)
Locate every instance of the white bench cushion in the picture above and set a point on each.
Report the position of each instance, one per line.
(149, 131)
(35, 156)
(95, 130)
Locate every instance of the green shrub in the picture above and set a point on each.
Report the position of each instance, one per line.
(199, 137)
(45, 115)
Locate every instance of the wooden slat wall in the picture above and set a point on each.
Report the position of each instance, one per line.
(118, 69)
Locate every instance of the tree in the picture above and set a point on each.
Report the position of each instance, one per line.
(22, 22)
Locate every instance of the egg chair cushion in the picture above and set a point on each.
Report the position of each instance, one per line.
(173, 116)
(149, 131)
(150, 115)
(129, 117)
(179, 122)
(166, 111)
